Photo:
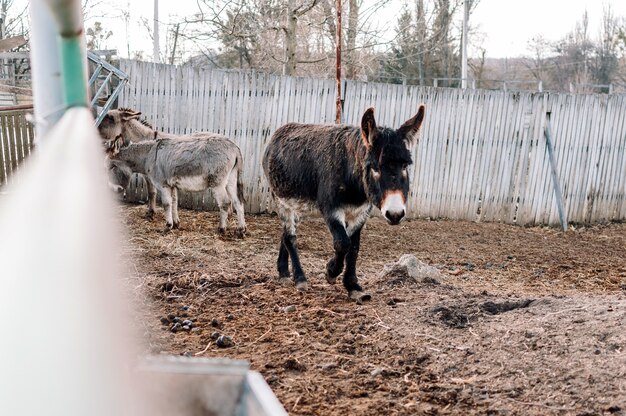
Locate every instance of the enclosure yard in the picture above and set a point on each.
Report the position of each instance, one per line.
(520, 320)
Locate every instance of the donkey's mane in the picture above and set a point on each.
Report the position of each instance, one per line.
(142, 121)
(145, 123)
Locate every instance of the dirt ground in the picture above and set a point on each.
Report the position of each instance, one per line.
(522, 320)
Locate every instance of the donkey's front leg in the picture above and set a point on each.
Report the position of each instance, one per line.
(341, 244)
(166, 200)
(350, 281)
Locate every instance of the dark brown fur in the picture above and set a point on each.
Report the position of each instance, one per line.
(343, 171)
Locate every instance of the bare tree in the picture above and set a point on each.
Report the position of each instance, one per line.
(97, 36)
(13, 19)
(352, 32)
(606, 63)
(539, 63)
(295, 10)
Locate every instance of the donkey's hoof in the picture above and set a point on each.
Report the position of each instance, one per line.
(221, 231)
(285, 280)
(176, 225)
(149, 215)
(302, 285)
(359, 296)
(330, 279)
(241, 232)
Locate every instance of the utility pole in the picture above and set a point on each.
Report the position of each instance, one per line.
(338, 63)
(466, 7)
(155, 45)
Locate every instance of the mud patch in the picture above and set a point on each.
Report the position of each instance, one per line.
(495, 308)
(454, 316)
(460, 317)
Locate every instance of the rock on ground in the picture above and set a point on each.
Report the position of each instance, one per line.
(410, 269)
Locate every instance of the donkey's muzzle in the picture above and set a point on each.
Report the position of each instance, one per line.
(393, 207)
(394, 218)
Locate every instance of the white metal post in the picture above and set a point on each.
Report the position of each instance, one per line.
(558, 193)
(46, 68)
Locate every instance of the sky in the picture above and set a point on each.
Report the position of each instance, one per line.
(509, 24)
(503, 27)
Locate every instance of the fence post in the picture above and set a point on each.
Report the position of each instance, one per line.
(338, 105)
(555, 180)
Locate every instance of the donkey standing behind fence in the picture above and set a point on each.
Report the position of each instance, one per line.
(343, 170)
(124, 124)
(189, 163)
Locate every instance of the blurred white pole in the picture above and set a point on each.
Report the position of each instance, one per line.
(64, 349)
(46, 67)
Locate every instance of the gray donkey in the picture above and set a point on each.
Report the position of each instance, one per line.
(124, 124)
(189, 163)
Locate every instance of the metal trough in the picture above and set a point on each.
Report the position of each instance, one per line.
(181, 386)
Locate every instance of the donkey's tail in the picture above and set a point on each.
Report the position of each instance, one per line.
(239, 166)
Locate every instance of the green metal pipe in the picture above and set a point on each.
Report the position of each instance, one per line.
(68, 17)
(73, 75)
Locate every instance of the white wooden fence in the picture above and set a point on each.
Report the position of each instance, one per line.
(481, 156)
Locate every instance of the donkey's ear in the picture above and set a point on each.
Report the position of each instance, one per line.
(368, 127)
(115, 146)
(411, 127)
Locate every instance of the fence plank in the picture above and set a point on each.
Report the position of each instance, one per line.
(7, 148)
(619, 173)
(3, 168)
